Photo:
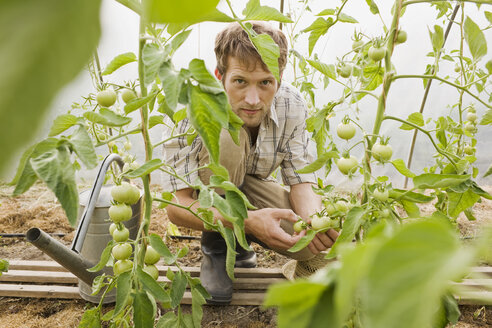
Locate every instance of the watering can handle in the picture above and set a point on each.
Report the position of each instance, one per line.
(85, 219)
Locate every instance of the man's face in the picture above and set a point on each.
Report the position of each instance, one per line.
(250, 91)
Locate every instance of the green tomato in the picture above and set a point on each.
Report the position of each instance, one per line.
(112, 228)
(401, 37)
(346, 131)
(151, 256)
(472, 117)
(127, 145)
(121, 235)
(345, 70)
(127, 95)
(385, 213)
(341, 206)
(469, 150)
(120, 212)
(125, 193)
(122, 251)
(346, 165)
(152, 271)
(357, 45)
(122, 266)
(381, 195)
(457, 68)
(330, 209)
(299, 226)
(376, 54)
(106, 98)
(470, 127)
(319, 223)
(382, 152)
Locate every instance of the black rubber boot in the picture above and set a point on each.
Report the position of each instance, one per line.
(213, 275)
(244, 258)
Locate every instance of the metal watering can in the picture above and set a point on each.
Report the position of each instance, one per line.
(91, 237)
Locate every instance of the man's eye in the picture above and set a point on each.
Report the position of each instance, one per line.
(239, 81)
(266, 82)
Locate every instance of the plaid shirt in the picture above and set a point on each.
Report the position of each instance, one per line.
(282, 141)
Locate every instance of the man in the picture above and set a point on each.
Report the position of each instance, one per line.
(273, 135)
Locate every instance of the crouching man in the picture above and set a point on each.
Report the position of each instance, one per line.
(273, 135)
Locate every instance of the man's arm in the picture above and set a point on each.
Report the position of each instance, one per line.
(305, 203)
(264, 224)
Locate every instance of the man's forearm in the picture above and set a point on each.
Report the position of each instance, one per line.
(303, 200)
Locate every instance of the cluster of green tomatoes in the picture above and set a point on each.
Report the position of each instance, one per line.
(125, 195)
(329, 218)
(470, 126)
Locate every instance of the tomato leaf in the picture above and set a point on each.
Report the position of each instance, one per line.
(351, 225)
(70, 27)
(155, 120)
(197, 301)
(399, 164)
(161, 248)
(105, 255)
(135, 104)
(437, 38)
(153, 56)
(459, 202)
(208, 83)
(83, 147)
(319, 162)
(230, 240)
(254, 11)
(143, 311)
(487, 118)
(346, 18)
(56, 170)
(62, 123)
(152, 286)
(107, 117)
(91, 318)
(489, 171)
(145, 169)
(415, 118)
(373, 7)
(433, 181)
(475, 39)
(303, 242)
(268, 50)
(178, 288)
(318, 28)
(123, 289)
(119, 61)
(327, 70)
(414, 197)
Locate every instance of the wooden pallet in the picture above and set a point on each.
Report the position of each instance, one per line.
(48, 279)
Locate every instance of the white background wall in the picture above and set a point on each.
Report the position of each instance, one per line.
(120, 34)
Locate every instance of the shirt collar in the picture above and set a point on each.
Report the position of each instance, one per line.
(273, 112)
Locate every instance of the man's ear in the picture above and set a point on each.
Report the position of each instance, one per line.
(218, 75)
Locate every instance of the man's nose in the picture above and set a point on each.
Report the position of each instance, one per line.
(252, 96)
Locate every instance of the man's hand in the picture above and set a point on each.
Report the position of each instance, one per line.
(322, 241)
(264, 224)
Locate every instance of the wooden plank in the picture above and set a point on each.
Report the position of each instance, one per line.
(485, 270)
(475, 298)
(194, 271)
(39, 291)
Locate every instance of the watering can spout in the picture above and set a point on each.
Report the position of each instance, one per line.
(69, 259)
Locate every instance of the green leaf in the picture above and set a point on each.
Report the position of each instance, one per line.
(230, 240)
(197, 300)
(143, 311)
(208, 116)
(475, 39)
(489, 171)
(83, 147)
(488, 15)
(318, 28)
(415, 118)
(123, 289)
(433, 181)
(399, 164)
(168, 320)
(161, 248)
(145, 169)
(155, 120)
(208, 83)
(373, 7)
(152, 286)
(437, 38)
(178, 288)
(105, 255)
(62, 123)
(410, 273)
(4, 266)
(411, 208)
(137, 103)
(269, 52)
(171, 83)
(351, 225)
(414, 197)
(325, 69)
(56, 170)
(487, 118)
(153, 56)
(346, 18)
(319, 162)
(303, 242)
(91, 318)
(119, 61)
(32, 75)
(107, 117)
(327, 12)
(254, 11)
(459, 202)
(179, 39)
(184, 11)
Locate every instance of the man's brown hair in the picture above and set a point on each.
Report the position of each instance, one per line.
(233, 41)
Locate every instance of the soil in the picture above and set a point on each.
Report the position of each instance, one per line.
(38, 208)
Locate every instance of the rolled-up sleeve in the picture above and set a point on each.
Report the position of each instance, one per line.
(182, 158)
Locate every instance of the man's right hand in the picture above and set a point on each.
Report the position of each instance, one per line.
(264, 224)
